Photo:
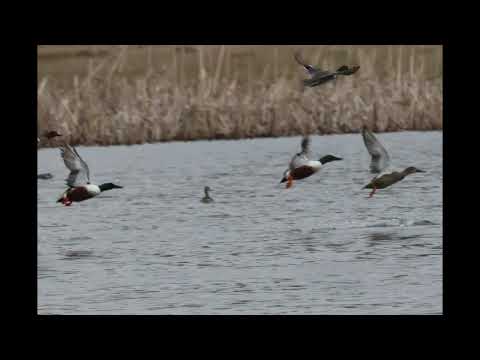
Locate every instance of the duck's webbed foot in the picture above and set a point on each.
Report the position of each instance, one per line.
(373, 192)
(66, 201)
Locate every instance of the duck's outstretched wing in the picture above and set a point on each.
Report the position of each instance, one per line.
(79, 172)
(380, 159)
(310, 69)
(301, 158)
(305, 145)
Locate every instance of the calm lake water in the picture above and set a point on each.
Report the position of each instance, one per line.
(321, 247)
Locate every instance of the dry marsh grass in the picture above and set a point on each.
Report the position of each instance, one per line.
(130, 95)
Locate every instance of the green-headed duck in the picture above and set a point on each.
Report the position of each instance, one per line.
(78, 181)
(301, 166)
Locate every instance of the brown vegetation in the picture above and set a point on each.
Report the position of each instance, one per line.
(221, 92)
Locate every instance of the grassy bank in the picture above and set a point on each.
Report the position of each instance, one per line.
(130, 95)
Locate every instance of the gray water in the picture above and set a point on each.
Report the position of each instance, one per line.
(321, 247)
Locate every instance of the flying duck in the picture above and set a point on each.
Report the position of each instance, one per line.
(207, 198)
(380, 159)
(389, 178)
(301, 166)
(319, 76)
(78, 181)
(49, 135)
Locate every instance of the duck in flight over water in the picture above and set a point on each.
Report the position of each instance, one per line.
(389, 178)
(78, 181)
(301, 166)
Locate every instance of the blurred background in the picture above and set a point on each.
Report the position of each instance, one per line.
(132, 94)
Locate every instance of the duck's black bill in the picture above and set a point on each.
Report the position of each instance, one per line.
(283, 180)
(418, 170)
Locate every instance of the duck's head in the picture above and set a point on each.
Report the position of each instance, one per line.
(51, 134)
(411, 170)
(345, 70)
(109, 186)
(207, 189)
(328, 158)
(354, 69)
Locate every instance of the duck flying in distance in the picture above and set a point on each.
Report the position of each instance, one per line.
(49, 135)
(380, 159)
(319, 76)
(389, 178)
(301, 166)
(78, 181)
(207, 199)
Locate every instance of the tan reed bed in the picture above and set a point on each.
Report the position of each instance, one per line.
(108, 106)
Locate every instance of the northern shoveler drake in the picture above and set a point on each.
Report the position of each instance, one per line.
(78, 181)
(389, 178)
(301, 166)
(207, 198)
(380, 159)
(319, 76)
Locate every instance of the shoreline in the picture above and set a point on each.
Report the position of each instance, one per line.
(55, 145)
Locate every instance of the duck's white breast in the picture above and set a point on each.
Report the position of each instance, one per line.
(314, 164)
(93, 190)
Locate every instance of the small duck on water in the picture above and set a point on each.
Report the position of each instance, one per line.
(380, 158)
(387, 179)
(318, 76)
(45, 176)
(78, 181)
(207, 198)
(301, 166)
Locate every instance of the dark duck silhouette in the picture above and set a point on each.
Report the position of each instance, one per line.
(319, 76)
(49, 135)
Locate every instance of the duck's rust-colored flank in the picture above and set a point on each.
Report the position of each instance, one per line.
(301, 166)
